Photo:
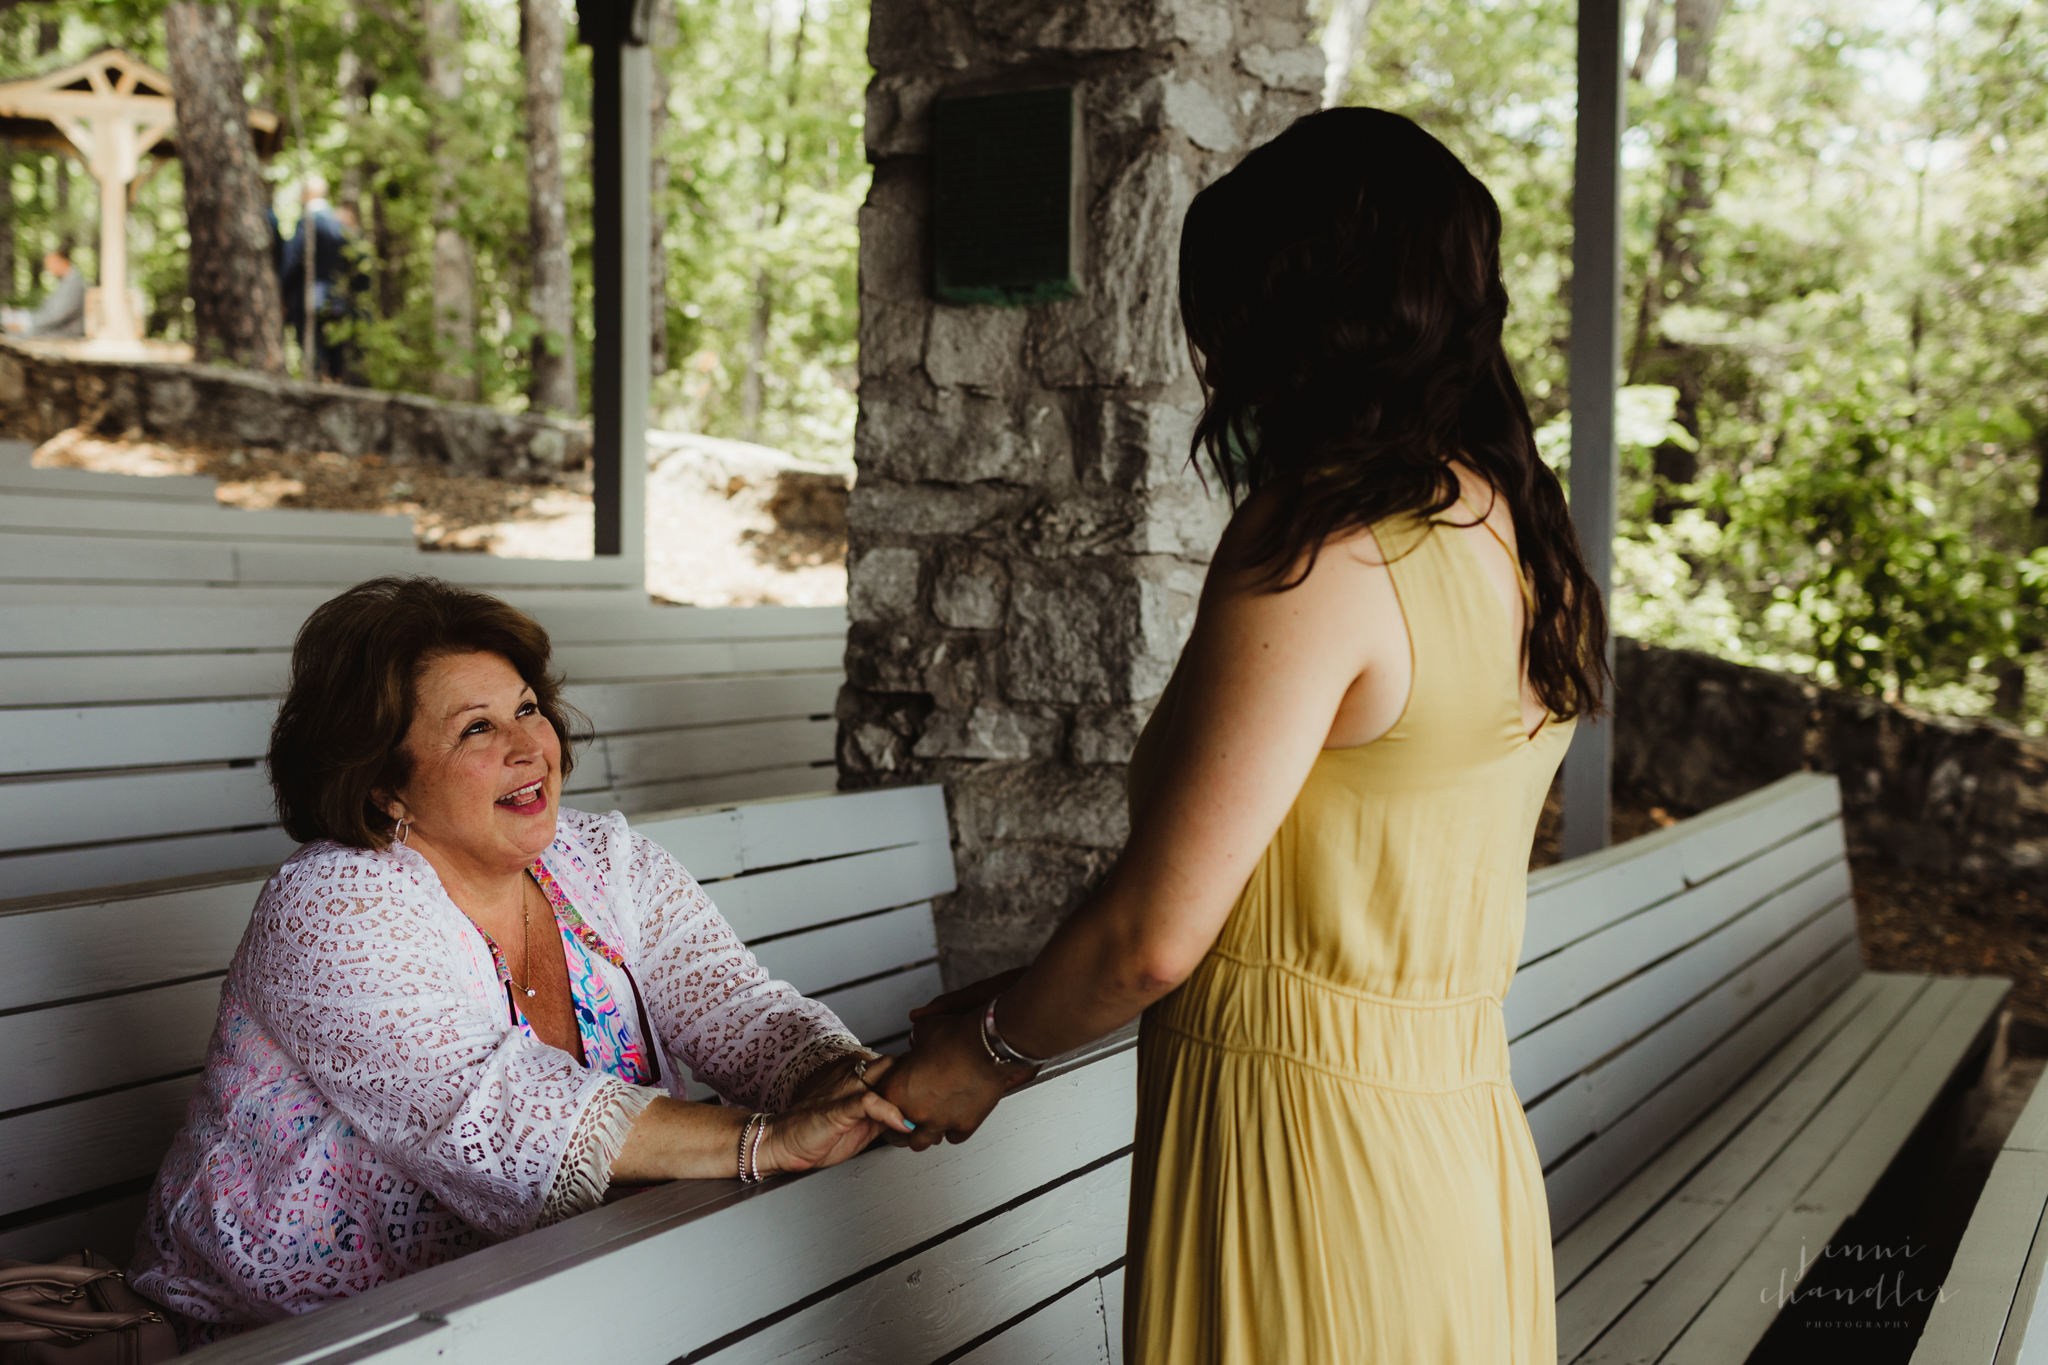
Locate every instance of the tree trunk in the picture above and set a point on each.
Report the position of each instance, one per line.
(757, 357)
(1343, 35)
(388, 248)
(237, 313)
(358, 83)
(751, 382)
(1651, 40)
(454, 269)
(7, 281)
(1674, 260)
(49, 35)
(662, 39)
(1674, 273)
(553, 288)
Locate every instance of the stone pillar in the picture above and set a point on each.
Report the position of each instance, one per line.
(1026, 539)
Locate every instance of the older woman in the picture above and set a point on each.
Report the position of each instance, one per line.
(459, 1011)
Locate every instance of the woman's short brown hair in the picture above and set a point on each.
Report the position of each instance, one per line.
(355, 672)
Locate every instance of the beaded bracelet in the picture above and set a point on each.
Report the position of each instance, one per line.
(750, 1148)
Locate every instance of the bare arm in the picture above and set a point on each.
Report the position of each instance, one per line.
(675, 1140)
(1263, 677)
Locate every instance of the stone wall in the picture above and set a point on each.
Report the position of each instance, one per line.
(42, 394)
(1026, 539)
(1966, 799)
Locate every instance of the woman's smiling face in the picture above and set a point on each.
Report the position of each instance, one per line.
(486, 766)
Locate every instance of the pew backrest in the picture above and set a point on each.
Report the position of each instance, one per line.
(131, 736)
(107, 1001)
(1656, 974)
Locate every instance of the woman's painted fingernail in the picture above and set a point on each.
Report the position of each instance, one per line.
(908, 1124)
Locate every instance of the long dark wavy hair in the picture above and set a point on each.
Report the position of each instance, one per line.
(1343, 287)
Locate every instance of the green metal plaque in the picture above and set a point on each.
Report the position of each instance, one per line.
(1003, 197)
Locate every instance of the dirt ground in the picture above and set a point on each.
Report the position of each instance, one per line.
(714, 539)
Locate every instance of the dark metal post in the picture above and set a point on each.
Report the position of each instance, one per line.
(621, 71)
(1595, 374)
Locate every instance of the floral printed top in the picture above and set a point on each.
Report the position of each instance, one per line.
(374, 1103)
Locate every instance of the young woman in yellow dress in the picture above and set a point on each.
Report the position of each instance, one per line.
(1322, 899)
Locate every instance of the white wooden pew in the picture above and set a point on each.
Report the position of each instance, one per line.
(145, 633)
(106, 1002)
(1711, 1079)
(1992, 1310)
(131, 736)
(84, 528)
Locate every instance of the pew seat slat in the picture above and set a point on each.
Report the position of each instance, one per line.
(1684, 1125)
(160, 520)
(1992, 1311)
(1713, 1252)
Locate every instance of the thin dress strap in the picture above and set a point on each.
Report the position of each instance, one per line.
(1521, 580)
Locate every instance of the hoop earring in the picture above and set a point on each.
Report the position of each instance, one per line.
(404, 828)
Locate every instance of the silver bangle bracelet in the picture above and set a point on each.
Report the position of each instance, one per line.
(999, 1051)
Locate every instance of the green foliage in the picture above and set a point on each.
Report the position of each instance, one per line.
(767, 174)
(1855, 336)
(1495, 82)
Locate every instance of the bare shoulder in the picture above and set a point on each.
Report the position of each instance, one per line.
(1338, 564)
(1338, 617)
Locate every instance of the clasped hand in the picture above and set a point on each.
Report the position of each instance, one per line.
(948, 1083)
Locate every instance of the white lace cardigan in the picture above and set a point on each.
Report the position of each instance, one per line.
(368, 1110)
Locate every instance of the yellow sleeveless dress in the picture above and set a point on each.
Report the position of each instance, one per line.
(1331, 1163)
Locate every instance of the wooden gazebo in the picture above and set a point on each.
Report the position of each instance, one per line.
(113, 110)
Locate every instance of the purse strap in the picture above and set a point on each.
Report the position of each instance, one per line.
(36, 1304)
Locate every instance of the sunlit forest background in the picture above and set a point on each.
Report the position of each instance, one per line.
(1836, 328)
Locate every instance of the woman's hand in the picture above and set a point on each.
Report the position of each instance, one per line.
(948, 1084)
(828, 1128)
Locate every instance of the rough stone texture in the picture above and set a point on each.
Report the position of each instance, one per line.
(1026, 540)
(1966, 799)
(41, 395)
